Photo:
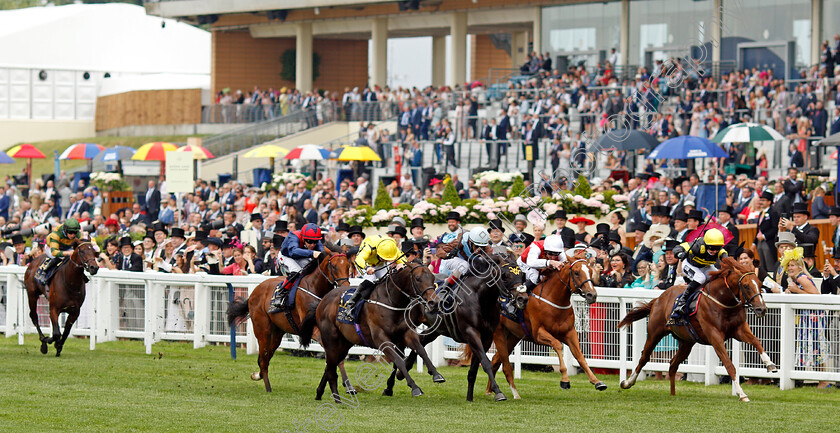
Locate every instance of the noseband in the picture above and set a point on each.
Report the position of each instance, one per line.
(84, 265)
(575, 287)
(747, 303)
(335, 282)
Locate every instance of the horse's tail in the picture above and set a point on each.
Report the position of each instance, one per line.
(237, 311)
(637, 313)
(307, 327)
(466, 355)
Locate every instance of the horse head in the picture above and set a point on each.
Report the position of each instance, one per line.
(417, 282)
(511, 280)
(580, 278)
(336, 268)
(86, 254)
(737, 277)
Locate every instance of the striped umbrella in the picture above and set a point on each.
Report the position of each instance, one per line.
(198, 152)
(747, 133)
(29, 152)
(116, 153)
(269, 151)
(358, 153)
(81, 151)
(309, 152)
(155, 151)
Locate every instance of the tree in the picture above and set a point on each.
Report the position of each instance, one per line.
(450, 195)
(583, 188)
(288, 60)
(383, 201)
(517, 187)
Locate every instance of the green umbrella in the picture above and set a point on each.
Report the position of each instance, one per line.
(747, 133)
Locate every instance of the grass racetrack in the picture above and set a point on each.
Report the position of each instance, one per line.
(119, 388)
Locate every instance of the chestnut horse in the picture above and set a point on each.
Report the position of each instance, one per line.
(471, 314)
(550, 320)
(720, 316)
(66, 292)
(385, 323)
(333, 270)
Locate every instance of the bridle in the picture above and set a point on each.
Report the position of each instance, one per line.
(747, 303)
(86, 264)
(412, 267)
(575, 287)
(335, 282)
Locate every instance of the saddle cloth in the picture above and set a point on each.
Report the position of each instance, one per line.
(291, 287)
(343, 315)
(691, 308)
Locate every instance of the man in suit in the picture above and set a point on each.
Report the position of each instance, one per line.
(560, 220)
(503, 131)
(488, 134)
(5, 203)
(128, 260)
(793, 186)
(137, 216)
(819, 118)
(724, 218)
(309, 213)
(179, 239)
(805, 233)
(254, 235)
(669, 275)
(768, 228)
(681, 225)
(834, 219)
(152, 206)
(782, 204)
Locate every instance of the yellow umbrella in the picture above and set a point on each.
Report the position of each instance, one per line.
(155, 151)
(269, 151)
(358, 153)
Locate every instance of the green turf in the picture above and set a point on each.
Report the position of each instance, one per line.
(44, 166)
(119, 388)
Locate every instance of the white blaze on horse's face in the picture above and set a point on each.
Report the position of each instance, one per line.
(757, 289)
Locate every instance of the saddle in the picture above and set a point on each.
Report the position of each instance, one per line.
(691, 306)
(349, 317)
(48, 272)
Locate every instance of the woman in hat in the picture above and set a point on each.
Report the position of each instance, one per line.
(581, 223)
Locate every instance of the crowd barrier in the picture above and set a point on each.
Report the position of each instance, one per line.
(801, 333)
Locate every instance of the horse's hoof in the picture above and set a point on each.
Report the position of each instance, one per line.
(624, 385)
(57, 354)
(351, 391)
(745, 399)
(488, 392)
(601, 386)
(387, 392)
(500, 396)
(256, 376)
(565, 385)
(772, 368)
(438, 378)
(44, 348)
(416, 392)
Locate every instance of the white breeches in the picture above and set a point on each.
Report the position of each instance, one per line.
(700, 275)
(291, 264)
(455, 265)
(531, 274)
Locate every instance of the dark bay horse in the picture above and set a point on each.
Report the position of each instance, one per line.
(469, 314)
(549, 319)
(721, 315)
(333, 270)
(66, 292)
(382, 324)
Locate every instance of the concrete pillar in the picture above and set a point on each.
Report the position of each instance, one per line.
(303, 57)
(624, 35)
(438, 60)
(458, 54)
(379, 52)
(717, 35)
(518, 49)
(816, 30)
(536, 35)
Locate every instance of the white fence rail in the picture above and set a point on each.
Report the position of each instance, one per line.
(801, 333)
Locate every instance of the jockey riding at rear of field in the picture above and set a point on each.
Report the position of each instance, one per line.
(540, 255)
(701, 257)
(372, 261)
(59, 246)
(297, 250)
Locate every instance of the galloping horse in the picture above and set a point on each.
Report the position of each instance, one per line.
(381, 324)
(720, 316)
(333, 270)
(548, 319)
(66, 292)
(474, 314)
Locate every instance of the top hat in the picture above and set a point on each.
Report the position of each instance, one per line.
(398, 229)
(452, 215)
(342, 227)
(496, 224)
(670, 244)
(256, 216)
(659, 211)
(680, 215)
(277, 240)
(767, 195)
(613, 236)
(17, 239)
(695, 214)
(727, 209)
(417, 222)
(159, 227)
(281, 226)
(201, 235)
(602, 229)
(809, 251)
(560, 214)
(355, 230)
(125, 240)
(801, 208)
(177, 232)
(525, 238)
(786, 238)
(399, 221)
(215, 241)
(641, 226)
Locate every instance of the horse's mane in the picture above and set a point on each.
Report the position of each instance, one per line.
(727, 265)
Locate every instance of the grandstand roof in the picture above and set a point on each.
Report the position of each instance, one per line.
(113, 37)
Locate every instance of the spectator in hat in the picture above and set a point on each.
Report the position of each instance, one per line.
(179, 240)
(809, 257)
(520, 223)
(397, 233)
(804, 232)
(768, 227)
(356, 235)
(560, 220)
(254, 235)
(694, 218)
(668, 277)
(128, 260)
(16, 253)
(641, 251)
(211, 259)
(417, 228)
(520, 241)
(498, 243)
(724, 218)
(616, 246)
(581, 235)
(601, 231)
(834, 220)
(453, 224)
(681, 226)
(341, 230)
(149, 245)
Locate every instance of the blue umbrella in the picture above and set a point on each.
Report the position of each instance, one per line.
(687, 147)
(5, 159)
(116, 153)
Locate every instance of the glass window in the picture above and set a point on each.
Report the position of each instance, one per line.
(666, 28)
(581, 32)
(830, 19)
(772, 20)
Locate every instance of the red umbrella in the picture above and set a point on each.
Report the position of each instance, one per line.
(26, 151)
(700, 231)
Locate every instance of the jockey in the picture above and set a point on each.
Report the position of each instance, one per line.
(374, 251)
(59, 244)
(700, 258)
(540, 255)
(457, 261)
(297, 250)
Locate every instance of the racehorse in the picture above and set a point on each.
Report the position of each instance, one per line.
(469, 313)
(720, 316)
(66, 291)
(382, 324)
(333, 270)
(548, 319)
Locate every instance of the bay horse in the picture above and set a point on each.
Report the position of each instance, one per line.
(721, 315)
(548, 318)
(469, 313)
(385, 323)
(332, 270)
(65, 294)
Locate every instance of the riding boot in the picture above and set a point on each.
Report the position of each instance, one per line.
(682, 302)
(44, 270)
(362, 292)
(530, 286)
(278, 302)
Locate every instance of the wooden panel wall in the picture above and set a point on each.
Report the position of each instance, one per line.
(242, 62)
(485, 56)
(149, 107)
(748, 233)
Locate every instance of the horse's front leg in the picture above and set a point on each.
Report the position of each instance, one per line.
(716, 340)
(745, 334)
(412, 340)
(71, 319)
